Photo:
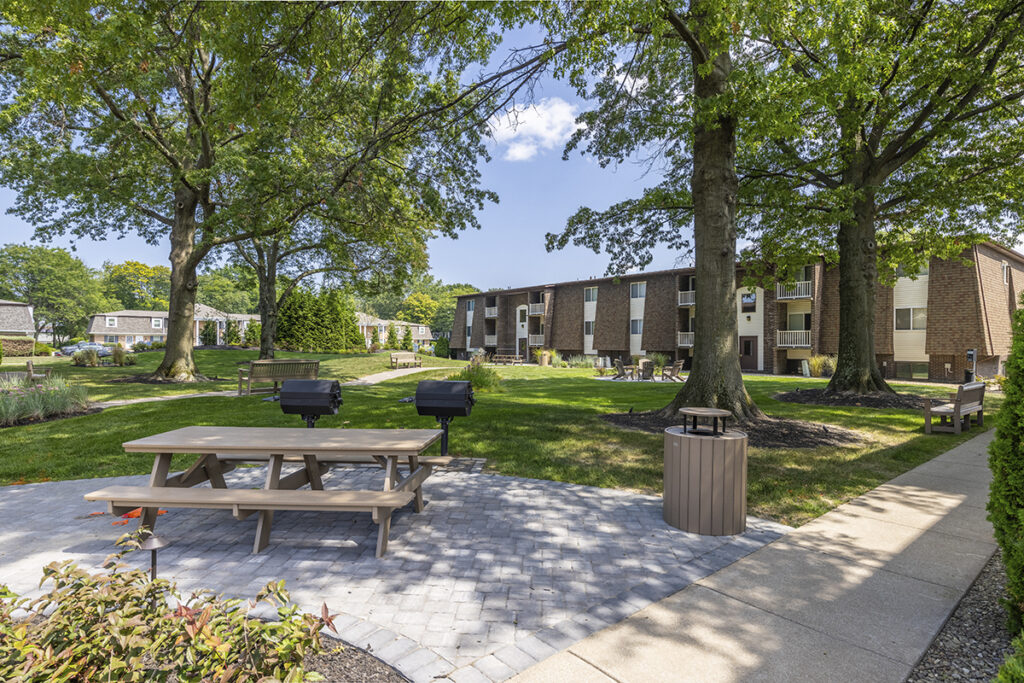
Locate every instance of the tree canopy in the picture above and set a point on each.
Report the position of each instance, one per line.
(137, 286)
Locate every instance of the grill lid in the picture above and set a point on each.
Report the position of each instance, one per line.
(444, 398)
(310, 396)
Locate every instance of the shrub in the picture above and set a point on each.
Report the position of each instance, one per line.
(441, 348)
(601, 371)
(538, 354)
(660, 360)
(1012, 670)
(581, 361)
(157, 345)
(407, 339)
(252, 334)
(821, 366)
(392, 340)
(482, 377)
(18, 346)
(117, 356)
(41, 349)
(96, 627)
(208, 333)
(556, 359)
(130, 359)
(75, 340)
(1006, 460)
(140, 346)
(86, 358)
(47, 398)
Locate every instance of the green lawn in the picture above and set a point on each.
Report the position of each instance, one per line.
(544, 424)
(218, 365)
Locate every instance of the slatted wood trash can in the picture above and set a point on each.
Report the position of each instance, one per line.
(706, 481)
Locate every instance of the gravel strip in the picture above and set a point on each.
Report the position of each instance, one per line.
(974, 642)
(343, 663)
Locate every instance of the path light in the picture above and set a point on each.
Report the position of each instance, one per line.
(153, 544)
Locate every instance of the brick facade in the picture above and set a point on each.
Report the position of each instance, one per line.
(611, 323)
(661, 314)
(476, 338)
(955, 321)
(458, 338)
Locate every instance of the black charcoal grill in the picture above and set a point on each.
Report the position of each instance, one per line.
(310, 398)
(444, 400)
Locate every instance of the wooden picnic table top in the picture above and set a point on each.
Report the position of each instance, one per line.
(287, 440)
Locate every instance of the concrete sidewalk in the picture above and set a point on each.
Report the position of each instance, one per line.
(857, 594)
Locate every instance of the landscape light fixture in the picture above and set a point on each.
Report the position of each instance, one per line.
(153, 544)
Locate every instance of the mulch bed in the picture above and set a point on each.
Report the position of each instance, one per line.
(36, 421)
(150, 379)
(883, 400)
(343, 662)
(768, 432)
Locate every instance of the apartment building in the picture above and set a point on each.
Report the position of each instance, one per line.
(131, 326)
(368, 323)
(924, 324)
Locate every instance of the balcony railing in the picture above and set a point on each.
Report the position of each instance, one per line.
(536, 340)
(687, 298)
(799, 290)
(490, 340)
(794, 338)
(686, 339)
(491, 312)
(537, 309)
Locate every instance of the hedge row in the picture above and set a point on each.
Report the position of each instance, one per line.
(17, 346)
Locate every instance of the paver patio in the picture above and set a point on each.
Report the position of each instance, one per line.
(495, 575)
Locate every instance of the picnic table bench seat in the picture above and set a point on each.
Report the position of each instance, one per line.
(243, 502)
(406, 360)
(954, 416)
(275, 370)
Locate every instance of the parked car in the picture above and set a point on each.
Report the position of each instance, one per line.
(71, 348)
(101, 350)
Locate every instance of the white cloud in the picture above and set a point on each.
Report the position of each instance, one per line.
(543, 126)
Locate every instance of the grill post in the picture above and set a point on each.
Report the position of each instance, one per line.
(310, 420)
(444, 434)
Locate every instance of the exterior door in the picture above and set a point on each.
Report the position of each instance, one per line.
(748, 353)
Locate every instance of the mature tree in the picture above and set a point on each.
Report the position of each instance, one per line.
(231, 333)
(406, 343)
(892, 133)
(665, 94)
(137, 286)
(418, 308)
(229, 288)
(388, 303)
(375, 337)
(212, 123)
(62, 291)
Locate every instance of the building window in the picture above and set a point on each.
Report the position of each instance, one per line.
(1006, 273)
(637, 290)
(590, 293)
(111, 322)
(423, 331)
(588, 327)
(522, 316)
(469, 306)
(158, 324)
(469, 331)
(157, 338)
(636, 326)
(748, 302)
(799, 321)
(911, 318)
(906, 370)
(130, 339)
(110, 338)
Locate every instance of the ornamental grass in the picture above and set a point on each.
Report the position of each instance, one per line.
(51, 397)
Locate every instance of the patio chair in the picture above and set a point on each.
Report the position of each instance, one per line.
(621, 371)
(646, 370)
(671, 372)
(33, 375)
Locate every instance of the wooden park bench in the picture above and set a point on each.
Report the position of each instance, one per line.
(276, 371)
(405, 360)
(33, 375)
(507, 359)
(955, 416)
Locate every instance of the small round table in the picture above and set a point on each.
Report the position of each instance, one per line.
(713, 413)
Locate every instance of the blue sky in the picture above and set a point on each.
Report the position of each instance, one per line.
(537, 189)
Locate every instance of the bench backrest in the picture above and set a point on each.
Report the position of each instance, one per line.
(402, 356)
(970, 394)
(292, 368)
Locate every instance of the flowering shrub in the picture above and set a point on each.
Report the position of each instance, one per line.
(121, 627)
(46, 398)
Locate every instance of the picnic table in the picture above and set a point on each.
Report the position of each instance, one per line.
(219, 449)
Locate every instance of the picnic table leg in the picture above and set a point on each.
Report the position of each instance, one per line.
(414, 464)
(158, 477)
(313, 472)
(214, 472)
(383, 518)
(266, 518)
(391, 473)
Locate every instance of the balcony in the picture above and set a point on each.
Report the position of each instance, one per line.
(685, 338)
(796, 339)
(536, 340)
(799, 290)
(687, 298)
(491, 312)
(490, 340)
(537, 309)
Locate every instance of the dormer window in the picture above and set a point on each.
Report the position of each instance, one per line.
(158, 323)
(111, 322)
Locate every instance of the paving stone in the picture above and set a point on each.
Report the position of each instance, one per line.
(494, 669)
(492, 560)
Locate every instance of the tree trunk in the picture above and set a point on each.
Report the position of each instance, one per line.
(268, 318)
(857, 367)
(178, 363)
(715, 380)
